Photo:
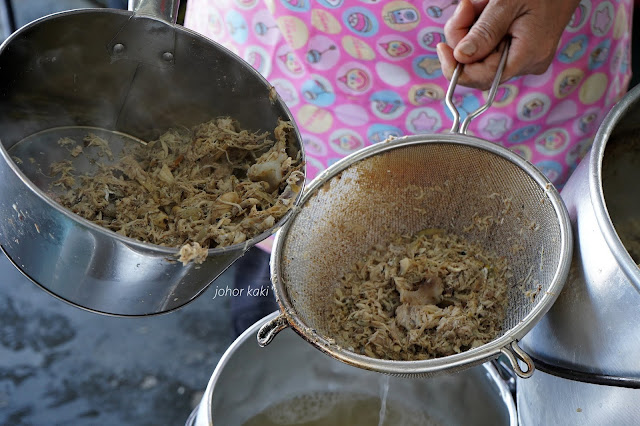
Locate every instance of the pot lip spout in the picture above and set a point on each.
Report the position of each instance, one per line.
(611, 121)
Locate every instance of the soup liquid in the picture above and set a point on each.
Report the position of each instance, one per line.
(340, 409)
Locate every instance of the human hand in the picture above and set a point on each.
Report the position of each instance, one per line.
(477, 27)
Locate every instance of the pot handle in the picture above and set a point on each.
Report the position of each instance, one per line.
(462, 129)
(268, 331)
(521, 355)
(152, 41)
(166, 10)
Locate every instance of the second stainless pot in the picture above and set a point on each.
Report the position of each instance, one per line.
(592, 329)
(250, 380)
(588, 343)
(134, 72)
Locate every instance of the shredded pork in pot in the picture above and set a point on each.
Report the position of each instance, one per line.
(420, 297)
(212, 186)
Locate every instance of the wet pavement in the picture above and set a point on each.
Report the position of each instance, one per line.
(60, 365)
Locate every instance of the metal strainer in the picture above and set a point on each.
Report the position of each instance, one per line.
(405, 185)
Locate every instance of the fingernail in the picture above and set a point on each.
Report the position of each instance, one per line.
(467, 48)
(456, 10)
(440, 51)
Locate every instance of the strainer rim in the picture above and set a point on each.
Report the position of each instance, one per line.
(453, 362)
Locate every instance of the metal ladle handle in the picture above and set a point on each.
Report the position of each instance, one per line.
(462, 129)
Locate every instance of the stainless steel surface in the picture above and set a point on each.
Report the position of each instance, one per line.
(406, 185)
(165, 10)
(248, 379)
(593, 326)
(545, 400)
(456, 127)
(130, 74)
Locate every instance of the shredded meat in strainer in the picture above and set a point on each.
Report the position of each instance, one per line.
(424, 296)
(213, 186)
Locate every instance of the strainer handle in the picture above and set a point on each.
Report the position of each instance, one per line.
(514, 353)
(456, 127)
(269, 330)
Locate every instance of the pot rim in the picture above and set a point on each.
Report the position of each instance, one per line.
(613, 117)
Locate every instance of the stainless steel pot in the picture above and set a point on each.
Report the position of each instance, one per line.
(134, 72)
(591, 335)
(546, 399)
(249, 379)
(593, 326)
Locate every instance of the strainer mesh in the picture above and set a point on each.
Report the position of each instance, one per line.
(466, 190)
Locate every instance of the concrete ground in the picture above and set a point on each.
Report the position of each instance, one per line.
(60, 365)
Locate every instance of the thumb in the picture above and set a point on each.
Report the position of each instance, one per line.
(487, 32)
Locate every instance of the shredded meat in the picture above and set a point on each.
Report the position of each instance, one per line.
(421, 297)
(212, 186)
(192, 252)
